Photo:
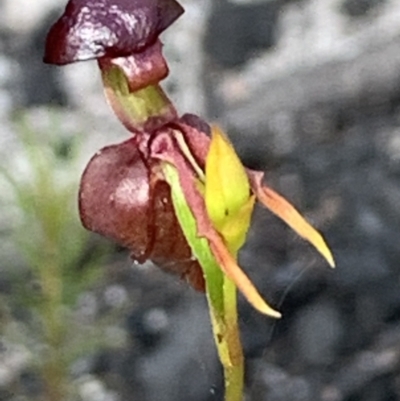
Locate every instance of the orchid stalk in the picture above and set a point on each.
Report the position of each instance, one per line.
(221, 296)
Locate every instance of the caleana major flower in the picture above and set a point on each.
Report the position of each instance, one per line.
(127, 191)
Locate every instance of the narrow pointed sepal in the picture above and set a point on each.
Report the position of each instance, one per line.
(278, 205)
(229, 266)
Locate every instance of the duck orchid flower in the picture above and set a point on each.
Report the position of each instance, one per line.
(176, 188)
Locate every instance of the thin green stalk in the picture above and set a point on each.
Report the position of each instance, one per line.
(54, 370)
(221, 295)
(40, 202)
(136, 109)
(234, 372)
(49, 270)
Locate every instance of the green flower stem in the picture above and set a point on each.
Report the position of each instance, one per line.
(221, 294)
(136, 109)
(234, 372)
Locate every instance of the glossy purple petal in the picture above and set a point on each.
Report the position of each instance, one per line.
(113, 28)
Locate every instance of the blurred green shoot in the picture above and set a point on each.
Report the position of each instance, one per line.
(42, 180)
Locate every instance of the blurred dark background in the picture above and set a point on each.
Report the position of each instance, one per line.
(308, 90)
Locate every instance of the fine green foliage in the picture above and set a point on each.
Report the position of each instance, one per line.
(54, 258)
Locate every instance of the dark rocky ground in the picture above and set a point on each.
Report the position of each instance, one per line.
(324, 121)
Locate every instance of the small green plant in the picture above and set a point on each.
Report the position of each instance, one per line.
(40, 192)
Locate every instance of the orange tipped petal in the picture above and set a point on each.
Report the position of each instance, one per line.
(234, 272)
(278, 205)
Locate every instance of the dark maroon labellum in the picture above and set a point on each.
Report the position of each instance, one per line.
(125, 198)
(108, 28)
